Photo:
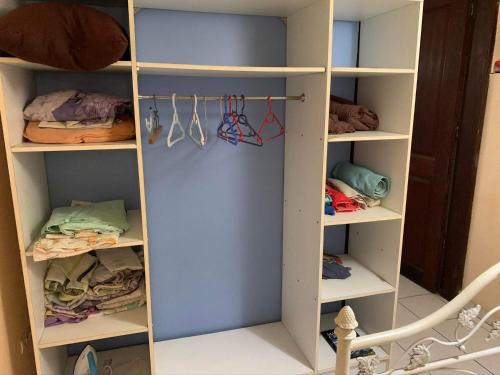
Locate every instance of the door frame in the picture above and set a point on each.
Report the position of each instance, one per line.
(470, 128)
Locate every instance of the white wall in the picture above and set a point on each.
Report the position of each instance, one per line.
(484, 236)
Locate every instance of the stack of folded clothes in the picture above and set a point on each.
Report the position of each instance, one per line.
(81, 228)
(74, 116)
(80, 286)
(354, 188)
(347, 117)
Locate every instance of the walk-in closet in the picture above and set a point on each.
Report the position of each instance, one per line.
(231, 231)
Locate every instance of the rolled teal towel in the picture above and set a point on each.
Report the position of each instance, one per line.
(362, 179)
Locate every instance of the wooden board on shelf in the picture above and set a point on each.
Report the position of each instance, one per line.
(366, 136)
(39, 147)
(362, 216)
(134, 358)
(327, 356)
(368, 72)
(96, 328)
(362, 283)
(264, 349)
(358, 10)
(132, 237)
(254, 7)
(119, 66)
(225, 71)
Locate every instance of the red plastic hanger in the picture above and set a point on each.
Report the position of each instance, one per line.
(269, 120)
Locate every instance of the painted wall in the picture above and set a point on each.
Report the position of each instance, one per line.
(14, 321)
(484, 236)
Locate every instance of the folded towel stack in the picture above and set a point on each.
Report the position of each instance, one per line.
(80, 286)
(362, 179)
(80, 228)
(347, 117)
(354, 188)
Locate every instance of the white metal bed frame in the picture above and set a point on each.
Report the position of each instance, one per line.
(420, 351)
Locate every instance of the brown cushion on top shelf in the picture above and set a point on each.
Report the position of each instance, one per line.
(66, 36)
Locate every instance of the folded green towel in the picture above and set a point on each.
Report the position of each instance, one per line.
(362, 179)
(104, 217)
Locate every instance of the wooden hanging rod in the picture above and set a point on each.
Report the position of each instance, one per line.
(181, 97)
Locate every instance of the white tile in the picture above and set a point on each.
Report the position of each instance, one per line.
(405, 317)
(424, 305)
(408, 288)
(476, 343)
(471, 366)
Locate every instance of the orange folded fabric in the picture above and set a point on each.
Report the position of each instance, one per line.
(118, 132)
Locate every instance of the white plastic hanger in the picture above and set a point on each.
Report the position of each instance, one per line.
(153, 123)
(199, 139)
(175, 122)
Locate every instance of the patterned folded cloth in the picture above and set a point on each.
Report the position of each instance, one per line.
(362, 179)
(79, 286)
(74, 105)
(363, 201)
(62, 246)
(341, 203)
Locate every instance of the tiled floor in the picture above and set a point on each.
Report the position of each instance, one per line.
(415, 303)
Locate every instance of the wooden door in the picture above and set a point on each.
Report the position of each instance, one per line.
(441, 79)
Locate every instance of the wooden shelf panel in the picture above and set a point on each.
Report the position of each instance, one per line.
(361, 216)
(358, 10)
(327, 356)
(119, 66)
(264, 349)
(366, 136)
(224, 71)
(362, 283)
(368, 72)
(119, 359)
(255, 7)
(96, 328)
(39, 147)
(132, 237)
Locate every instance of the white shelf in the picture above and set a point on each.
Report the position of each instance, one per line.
(362, 283)
(327, 356)
(368, 72)
(358, 10)
(265, 349)
(40, 147)
(254, 7)
(119, 66)
(362, 216)
(224, 71)
(96, 328)
(132, 237)
(136, 356)
(366, 136)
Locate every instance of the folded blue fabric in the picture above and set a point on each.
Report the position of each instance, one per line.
(362, 179)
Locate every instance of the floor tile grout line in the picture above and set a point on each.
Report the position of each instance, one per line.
(416, 295)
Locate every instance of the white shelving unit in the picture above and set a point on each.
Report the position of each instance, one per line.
(386, 78)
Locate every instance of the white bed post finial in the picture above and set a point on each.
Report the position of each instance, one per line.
(345, 331)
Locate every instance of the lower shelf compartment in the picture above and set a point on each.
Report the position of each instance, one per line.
(264, 349)
(129, 360)
(96, 328)
(327, 356)
(361, 283)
